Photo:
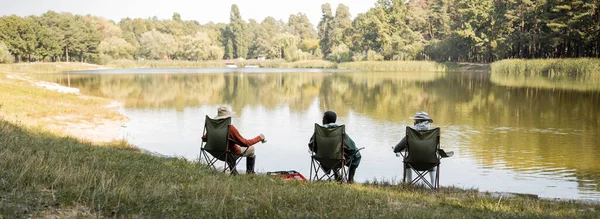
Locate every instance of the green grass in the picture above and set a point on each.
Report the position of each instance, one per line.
(584, 67)
(384, 66)
(311, 64)
(45, 67)
(221, 64)
(390, 66)
(43, 175)
(394, 66)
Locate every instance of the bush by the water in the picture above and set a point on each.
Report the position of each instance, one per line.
(271, 63)
(5, 56)
(393, 66)
(547, 67)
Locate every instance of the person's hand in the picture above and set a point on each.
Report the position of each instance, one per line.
(262, 138)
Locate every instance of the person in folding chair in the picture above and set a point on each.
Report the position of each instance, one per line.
(425, 148)
(236, 144)
(351, 152)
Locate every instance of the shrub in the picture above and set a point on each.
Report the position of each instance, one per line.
(5, 55)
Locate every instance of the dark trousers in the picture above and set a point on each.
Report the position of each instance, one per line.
(351, 171)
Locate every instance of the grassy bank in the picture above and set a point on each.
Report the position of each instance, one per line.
(46, 67)
(221, 64)
(45, 175)
(390, 66)
(394, 66)
(383, 66)
(548, 67)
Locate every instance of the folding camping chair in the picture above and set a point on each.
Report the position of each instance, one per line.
(422, 156)
(328, 158)
(215, 143)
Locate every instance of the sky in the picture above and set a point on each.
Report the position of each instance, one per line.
(202, 11)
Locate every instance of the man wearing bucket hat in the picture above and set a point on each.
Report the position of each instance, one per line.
(422, 122)
(238, 144)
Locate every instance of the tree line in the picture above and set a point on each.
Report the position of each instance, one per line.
(439, 30)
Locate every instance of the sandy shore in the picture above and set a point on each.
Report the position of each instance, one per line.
(97, 130)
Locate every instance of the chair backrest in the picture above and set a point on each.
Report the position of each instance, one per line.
(329, 143)
(217, 136)
(422, 147)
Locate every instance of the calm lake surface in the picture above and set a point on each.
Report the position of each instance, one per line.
(527, 135)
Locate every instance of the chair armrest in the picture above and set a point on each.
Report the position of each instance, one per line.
(445, 154)
(402, 154)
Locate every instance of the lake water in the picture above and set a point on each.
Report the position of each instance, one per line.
(533, 135)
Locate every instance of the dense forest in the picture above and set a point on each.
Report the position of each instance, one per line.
(439, 30)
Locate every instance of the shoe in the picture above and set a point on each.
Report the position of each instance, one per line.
(250, 165)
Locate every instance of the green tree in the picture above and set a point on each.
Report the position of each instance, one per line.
(341, 23)
(284, 45)
(438, 19)
(271, 27)
(301, 26)
(116, 47)
(311, 46)
(396, 38)
(196, 47)
(133, 29)
(474, 19)
(92, 38)
(229, 49)
(213, 30)
(48, 43)
(176, 17)
(259, 38)
(157, 45)
(238, 33)
(324, 28)
(340, 53)
(215, 53)
(19, 35)
(364, 34)
(56, 25)
(74, 38)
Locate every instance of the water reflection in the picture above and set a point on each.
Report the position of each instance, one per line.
(578, 83)
(508, 138)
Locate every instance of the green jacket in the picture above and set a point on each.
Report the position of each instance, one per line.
(350, 149)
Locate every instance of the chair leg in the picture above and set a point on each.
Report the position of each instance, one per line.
(310, 176)
(432, 175)
(404, 174)
(232, 164)
(437, 177)
(313, 175)
(338, 176)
